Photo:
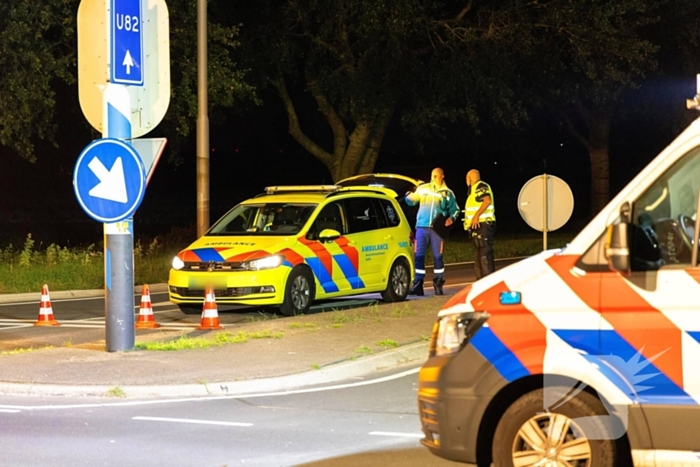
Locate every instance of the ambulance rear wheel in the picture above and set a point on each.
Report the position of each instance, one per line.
(529, 435)
(299, 292)
(398, 283)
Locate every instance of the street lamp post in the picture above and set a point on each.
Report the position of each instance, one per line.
(202, 122)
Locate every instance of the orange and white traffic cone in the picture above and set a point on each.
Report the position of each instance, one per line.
(45, 310)
(145, 319)
(210, 315)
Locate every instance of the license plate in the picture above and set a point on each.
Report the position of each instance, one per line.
(201, 283)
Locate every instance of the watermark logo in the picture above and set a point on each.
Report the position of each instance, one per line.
(628, 376)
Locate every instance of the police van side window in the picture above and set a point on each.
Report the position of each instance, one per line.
(362, 215)
(663, 218)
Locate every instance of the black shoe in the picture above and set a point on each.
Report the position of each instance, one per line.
(438, 282)
(416, 288)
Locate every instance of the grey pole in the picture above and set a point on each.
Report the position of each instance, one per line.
(119, 285)
(202, 122)
(118, 239)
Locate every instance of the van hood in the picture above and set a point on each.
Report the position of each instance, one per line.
(484, 294)
(234, 249)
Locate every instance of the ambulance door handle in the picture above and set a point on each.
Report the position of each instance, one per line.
(389, 237)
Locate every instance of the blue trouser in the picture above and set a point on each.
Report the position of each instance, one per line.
(425, 236)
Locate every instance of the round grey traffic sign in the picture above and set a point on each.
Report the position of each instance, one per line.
(552, 201)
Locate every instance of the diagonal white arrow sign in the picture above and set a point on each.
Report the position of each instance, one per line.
(128, 62)
(112, 186)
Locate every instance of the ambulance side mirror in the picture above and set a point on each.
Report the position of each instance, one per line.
(617, 250)
(328, 235)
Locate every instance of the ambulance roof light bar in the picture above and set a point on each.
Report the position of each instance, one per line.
(300, 188)
(694, 103)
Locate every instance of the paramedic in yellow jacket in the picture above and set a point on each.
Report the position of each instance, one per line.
(435, 199)
(480, 222)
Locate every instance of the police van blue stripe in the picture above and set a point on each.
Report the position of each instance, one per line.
(208, 254)
(493, 350)
(349, 271)
(695, 335)
(652, 386)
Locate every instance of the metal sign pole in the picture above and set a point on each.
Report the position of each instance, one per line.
(544, 213)
(118, 238)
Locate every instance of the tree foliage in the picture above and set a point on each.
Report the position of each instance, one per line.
(36, 53)
(365, 62)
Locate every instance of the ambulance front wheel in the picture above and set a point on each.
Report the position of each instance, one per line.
(299, 292)
(574, 430)
(398, 283)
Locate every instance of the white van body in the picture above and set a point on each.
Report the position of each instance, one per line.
(574, 318)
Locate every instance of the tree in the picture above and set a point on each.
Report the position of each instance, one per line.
(39, 56)
(364, 62)
(577, 59)
(36, 53)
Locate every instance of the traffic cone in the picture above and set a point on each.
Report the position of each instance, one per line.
(45, 310)
(210, 315)
(145, 319)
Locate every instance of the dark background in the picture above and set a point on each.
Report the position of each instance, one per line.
(254, 150)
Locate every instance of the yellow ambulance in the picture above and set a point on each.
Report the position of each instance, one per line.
(292, 245)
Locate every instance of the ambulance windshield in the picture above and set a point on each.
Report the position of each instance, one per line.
(263, 219)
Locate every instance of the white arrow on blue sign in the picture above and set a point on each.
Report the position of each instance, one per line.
(109, 180)
(126, 40)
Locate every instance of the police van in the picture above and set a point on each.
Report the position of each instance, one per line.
(584, 356)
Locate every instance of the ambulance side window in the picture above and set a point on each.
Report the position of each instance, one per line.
(663, 218)
(330, 217)
(390, 217)
(362, 215)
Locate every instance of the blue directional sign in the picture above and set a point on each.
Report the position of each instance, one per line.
(109, 180)
(126, 41)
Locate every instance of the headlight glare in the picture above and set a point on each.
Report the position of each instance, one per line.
(455, 330)
(269, 262)
(178, 263)
(450, 336)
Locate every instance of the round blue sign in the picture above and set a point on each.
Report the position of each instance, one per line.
(109, 180)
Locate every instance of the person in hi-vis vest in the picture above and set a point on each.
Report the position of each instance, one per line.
(437, 205)
(480, 222)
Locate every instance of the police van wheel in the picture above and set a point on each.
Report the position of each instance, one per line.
(398, 283)
(527, 435)
(299, 292)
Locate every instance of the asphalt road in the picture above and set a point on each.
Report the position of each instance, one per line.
(82, 320)
(359, 422)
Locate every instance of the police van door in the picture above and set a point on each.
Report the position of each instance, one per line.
(655, 310)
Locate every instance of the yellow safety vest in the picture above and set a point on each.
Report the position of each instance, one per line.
(480, 190)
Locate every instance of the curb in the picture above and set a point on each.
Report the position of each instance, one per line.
(69, 294)
(410, 354)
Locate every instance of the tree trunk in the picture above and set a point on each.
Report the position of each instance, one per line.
(352, 154)
(593, 132)
(599, 153)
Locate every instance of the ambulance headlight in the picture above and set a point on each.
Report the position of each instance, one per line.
(454, 331)
(178, 263)
(269, 262)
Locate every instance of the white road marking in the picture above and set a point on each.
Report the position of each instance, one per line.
(187, 420)
(208, 398)
(8, 411)
(398, 435)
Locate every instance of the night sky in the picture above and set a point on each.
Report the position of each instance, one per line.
(252, 151)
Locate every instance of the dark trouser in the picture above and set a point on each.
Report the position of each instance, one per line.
(483, 249)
